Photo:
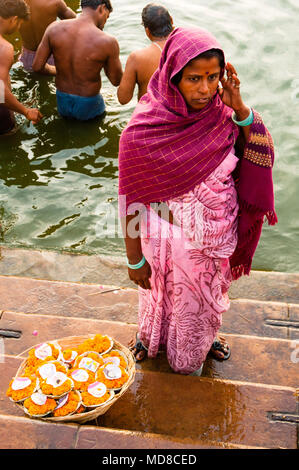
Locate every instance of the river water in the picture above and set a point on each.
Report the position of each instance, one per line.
(59, 179)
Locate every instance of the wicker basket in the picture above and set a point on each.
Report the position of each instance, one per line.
(74, 341)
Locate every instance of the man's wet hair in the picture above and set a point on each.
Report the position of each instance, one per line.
(95, 3)
(19, 8)
(157, 19)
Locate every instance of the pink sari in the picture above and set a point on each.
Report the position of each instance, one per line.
(170, 153)
(191, 274)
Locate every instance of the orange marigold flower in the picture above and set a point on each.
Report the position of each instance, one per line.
(90, 400)
(90, 360)
(81, 378)
(58, 366)
(114, 354)
(24, 392)
(70, 405)
(69, 355)
(112, 383)
(36, 410)
(39, 354)
(29, 371)
(48, 388)
(99, 344)
(81, 409)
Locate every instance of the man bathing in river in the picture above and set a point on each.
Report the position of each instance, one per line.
(12, 14)
(80, 49)
(142, 64)
(41, 15)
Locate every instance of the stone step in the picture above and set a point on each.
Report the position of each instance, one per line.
(165, 410)
(261, 318)
(253, 359)
(53, 265)
(23, 433)
(267, 286)
(215, 410)
(248, 401)
(69, 299)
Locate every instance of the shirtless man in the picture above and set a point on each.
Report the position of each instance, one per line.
(12, 14)
(142, 64)
(81, 49)
(42, 14)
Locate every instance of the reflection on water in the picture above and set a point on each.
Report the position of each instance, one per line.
(55, 177)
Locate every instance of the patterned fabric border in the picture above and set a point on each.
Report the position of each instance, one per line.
(259, 150)
(258, 158)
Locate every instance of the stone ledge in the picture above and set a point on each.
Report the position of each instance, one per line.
(52, 265)
(26, 433)
(91, 437)
(70, 299)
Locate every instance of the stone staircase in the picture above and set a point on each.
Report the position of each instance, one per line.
(249, 401)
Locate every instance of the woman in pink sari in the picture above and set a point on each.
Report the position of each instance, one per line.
(195, 183)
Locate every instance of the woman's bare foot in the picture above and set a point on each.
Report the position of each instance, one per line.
(137, 348)
(220, 349)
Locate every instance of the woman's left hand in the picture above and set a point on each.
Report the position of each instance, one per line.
(230, 91)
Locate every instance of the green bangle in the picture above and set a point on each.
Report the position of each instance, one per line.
(246, 122)
(138, 265)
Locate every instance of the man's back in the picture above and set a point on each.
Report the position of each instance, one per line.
(139, 69)
(42, 13)
(142, 64)
(80, 51)
(147, 62)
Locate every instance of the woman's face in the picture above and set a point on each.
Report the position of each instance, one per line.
(199, 82)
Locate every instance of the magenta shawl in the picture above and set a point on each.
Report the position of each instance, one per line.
(167, 149)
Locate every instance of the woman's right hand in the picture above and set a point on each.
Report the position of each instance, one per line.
(141, 276)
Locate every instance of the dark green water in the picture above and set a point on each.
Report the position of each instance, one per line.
(58, 178)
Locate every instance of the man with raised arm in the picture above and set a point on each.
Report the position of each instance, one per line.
(81, 49)
(12, 14)
(42, 13)
(142, 64)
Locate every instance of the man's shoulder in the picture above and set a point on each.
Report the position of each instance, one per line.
(7, 50)
(106, 43)
(57, 27)
(140, 55)
(136, 59)
(106, 38)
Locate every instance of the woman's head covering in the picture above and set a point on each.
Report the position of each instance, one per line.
(167, 149)
(183, 45)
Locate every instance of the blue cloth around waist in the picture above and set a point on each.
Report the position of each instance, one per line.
(79, 107)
